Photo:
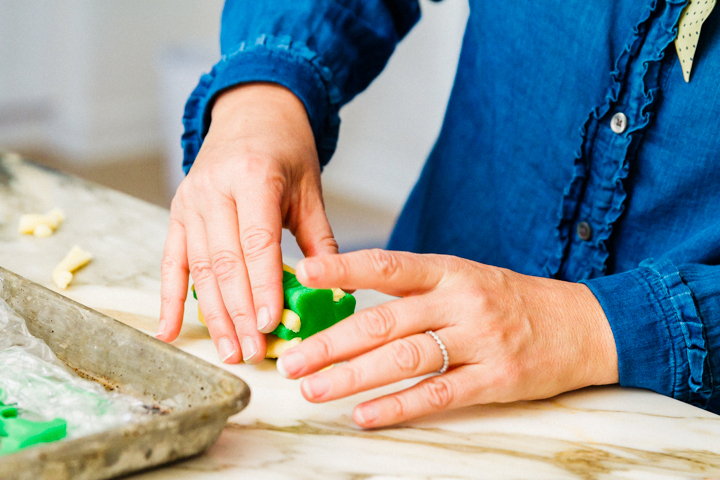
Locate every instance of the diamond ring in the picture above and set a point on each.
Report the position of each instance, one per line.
(446, 359)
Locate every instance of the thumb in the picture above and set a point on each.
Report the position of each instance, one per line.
(313, 233)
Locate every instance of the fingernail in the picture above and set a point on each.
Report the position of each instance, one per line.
(367, 414)
(226, 349)
(161, 327)
(249, 348)
(315, 387)
(263, 319)
(311, 269)
(289, 364)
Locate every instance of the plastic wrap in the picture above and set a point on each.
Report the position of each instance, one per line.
(34, 380)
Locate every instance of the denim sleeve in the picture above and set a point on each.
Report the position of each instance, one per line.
(666, 322)
(324, 51)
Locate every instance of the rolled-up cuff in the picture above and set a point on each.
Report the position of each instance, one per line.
(268, 59)
(658, 331)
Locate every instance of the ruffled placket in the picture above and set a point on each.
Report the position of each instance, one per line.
(594, 198)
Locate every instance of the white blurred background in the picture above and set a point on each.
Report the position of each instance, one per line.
(97, 88)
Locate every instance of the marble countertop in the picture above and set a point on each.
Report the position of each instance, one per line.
(595, 433)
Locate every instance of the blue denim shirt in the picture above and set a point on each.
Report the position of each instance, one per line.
(527, 152)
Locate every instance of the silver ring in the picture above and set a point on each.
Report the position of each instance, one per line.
(446, 359)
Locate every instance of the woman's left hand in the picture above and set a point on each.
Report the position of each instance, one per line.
(508, 336)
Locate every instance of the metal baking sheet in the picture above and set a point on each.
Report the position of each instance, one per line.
(119, 357)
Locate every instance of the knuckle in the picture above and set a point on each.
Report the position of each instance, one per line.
(378, 324)
(167, 299)
(328, 242)
(384, 262)
(480, 296)
(451, 267)
(256, 241)
(439, 392)
(212, 317)
(342, 267)
(500, 278)
(201, 271)
(225, 265)
(354, 377)
(176, 221)
(252, 163)
(184, 195)
(275, 183)
(264, 288)
(168, 264)
(457, 264)
(239, 315)
(176, 204)
(204, 183)
(180, 195)
(406, 355)
(396, 406)
(324, 346)
(260, 169)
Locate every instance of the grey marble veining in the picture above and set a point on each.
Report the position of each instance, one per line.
(595, 433)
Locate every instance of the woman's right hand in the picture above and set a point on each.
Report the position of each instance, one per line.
(257, 172)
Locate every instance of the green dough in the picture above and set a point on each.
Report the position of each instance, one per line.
(316, 308)
(18, 433)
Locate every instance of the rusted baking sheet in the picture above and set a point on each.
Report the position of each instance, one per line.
(120, 357)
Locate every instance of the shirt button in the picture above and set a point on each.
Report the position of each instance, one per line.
(584, 231)
(619, 123)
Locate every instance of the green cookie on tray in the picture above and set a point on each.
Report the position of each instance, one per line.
(18, 433)
(306, 312)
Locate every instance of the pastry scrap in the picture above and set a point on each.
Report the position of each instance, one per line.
(307, 311)
(76, 258)
(41, 225)
(276, 346)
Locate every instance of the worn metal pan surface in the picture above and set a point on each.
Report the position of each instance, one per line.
(120, 357)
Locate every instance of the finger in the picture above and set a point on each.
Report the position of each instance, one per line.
(217, 319)
(458, 388)
(395, 273)
(174, 282)
(312, 232)
(260, 223)
(228, 267)
(360, 333)
(398, 360)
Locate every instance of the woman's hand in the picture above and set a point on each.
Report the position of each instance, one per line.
(256, 172)
(508, 336)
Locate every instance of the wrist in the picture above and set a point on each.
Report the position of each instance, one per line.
(264, 95)
(601, 351)
(262, 118)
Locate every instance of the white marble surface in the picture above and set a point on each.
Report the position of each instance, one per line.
(590, 434)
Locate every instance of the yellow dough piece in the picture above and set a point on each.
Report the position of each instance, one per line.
(291, 320)
(42, 230)
(56, 216)
(76, 258)
(29, 221)
(276, 345)
(338, 294)
(41, 225)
